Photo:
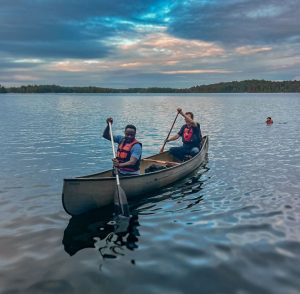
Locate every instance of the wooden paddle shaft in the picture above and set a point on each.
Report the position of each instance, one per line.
(162, 148)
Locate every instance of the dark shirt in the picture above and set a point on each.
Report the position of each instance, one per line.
(196, 137)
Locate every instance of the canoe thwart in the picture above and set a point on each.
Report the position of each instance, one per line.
(168, 163)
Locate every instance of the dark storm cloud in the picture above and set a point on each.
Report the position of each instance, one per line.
(238, 22)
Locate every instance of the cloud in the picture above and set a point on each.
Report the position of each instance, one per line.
(78, 66)
(197, 71)
(51, 50)
(148, 54)
(249, 50)
(238, 21)
(64, 29)
(148, 43)
(25, 78)
(165, 50)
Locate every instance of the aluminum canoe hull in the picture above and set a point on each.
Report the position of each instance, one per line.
(82, 194)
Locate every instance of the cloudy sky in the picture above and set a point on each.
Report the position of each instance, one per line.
(164, 43)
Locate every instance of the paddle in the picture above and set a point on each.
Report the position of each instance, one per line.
(162, 148)
(120, 200)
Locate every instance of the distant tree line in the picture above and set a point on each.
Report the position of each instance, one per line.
(2, 89)
(247, 86)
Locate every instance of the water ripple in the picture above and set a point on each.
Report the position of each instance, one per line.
(233, 227)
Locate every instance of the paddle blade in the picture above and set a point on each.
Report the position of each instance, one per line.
(120, 201)
(122, 224)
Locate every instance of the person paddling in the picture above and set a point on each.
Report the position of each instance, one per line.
(191, 137)
(269, 120)
(129, 151)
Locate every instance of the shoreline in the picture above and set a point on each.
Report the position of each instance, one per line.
(247, 86)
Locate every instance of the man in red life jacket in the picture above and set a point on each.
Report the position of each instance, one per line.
(191, 137)
(269, 120)
(129, 150)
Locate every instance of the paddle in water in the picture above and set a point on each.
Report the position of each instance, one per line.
(120, 199)
(162, 148)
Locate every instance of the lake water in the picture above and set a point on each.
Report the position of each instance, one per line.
(232, 228)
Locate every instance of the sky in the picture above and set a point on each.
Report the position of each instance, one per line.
(158, 43)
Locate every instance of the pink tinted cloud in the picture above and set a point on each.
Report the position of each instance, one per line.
(160, 46)
(249, 50)
(198, 71)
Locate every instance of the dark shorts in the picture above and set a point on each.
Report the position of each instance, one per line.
(181, 152)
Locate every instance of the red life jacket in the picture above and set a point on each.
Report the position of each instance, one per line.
(187, 134)
(123, 155)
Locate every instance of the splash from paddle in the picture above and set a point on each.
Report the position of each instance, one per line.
(120, 199)
(162, 148)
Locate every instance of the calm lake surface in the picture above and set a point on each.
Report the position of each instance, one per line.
(234, 227)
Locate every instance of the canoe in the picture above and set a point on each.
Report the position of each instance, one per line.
(86, 193)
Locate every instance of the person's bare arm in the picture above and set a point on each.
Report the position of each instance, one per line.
(188, 119)
(173, 138)
(106, 133)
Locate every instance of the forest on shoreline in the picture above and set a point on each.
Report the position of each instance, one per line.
(247, 86)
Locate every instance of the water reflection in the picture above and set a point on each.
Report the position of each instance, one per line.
(110, 235)
(183, 195)
(102, 230)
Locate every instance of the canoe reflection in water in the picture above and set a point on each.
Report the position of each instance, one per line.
(106, 233)
(111, 236)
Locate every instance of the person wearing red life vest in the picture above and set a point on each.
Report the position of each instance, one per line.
(129, 151)
(191, 137)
